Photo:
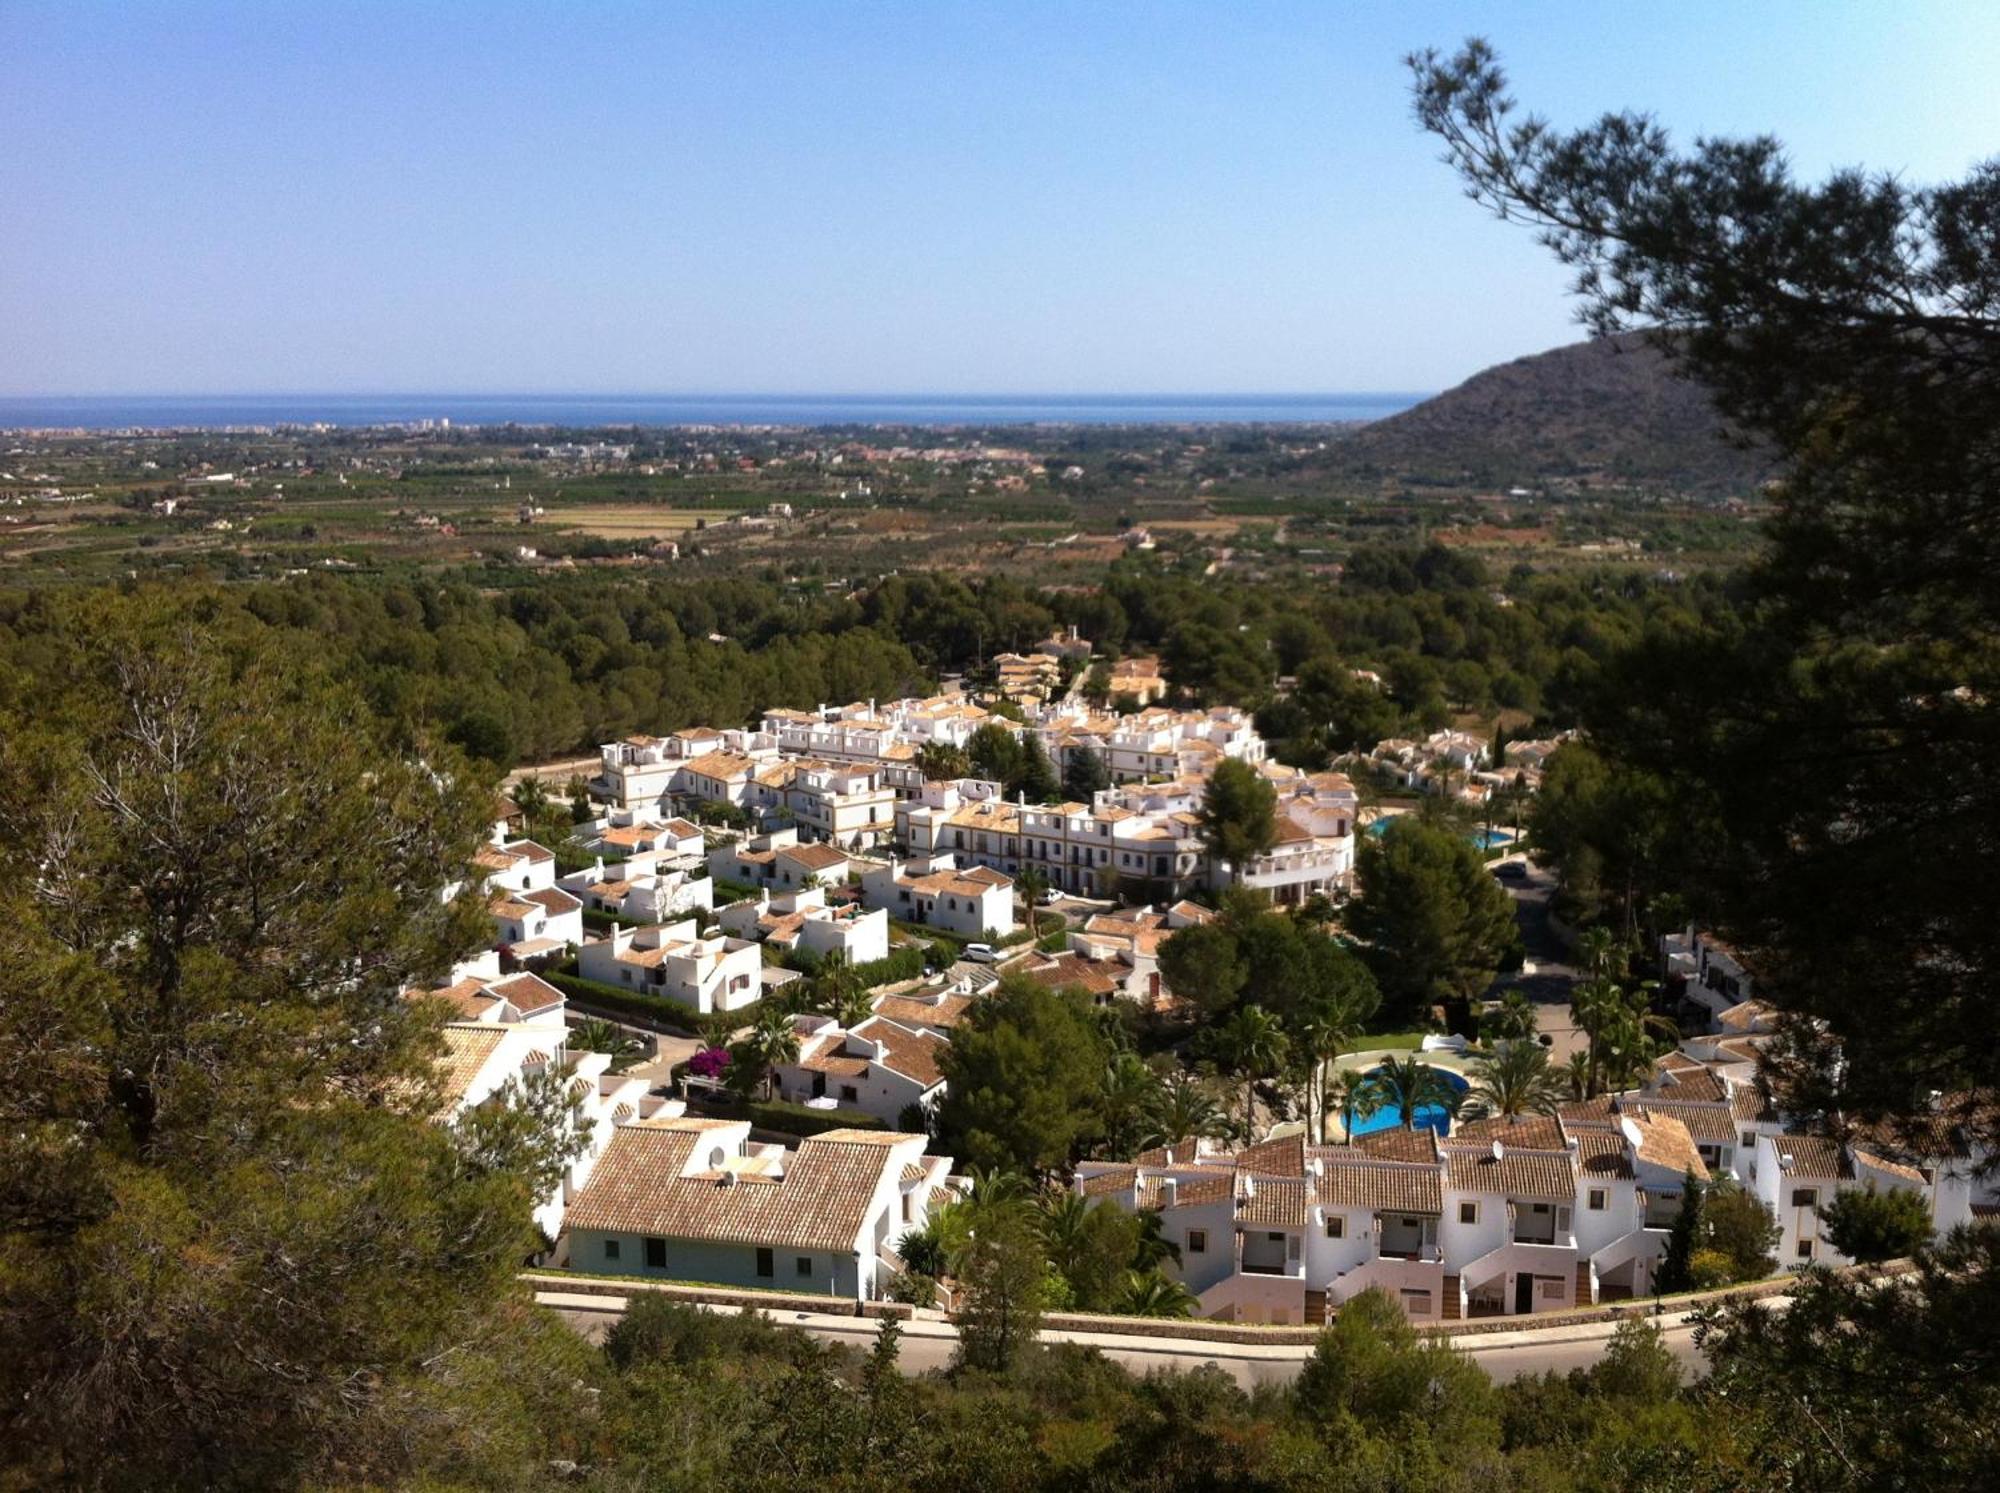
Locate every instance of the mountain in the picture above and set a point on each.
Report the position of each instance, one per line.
(1613, 410)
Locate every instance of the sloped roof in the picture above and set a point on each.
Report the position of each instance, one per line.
(1380, 1186)
(1532, 1132)
(528, 993)
(1271, 1202)
(468, 1046)
(1541, 1175)
(1665, 1141)
(1603, 1153)
(1814, 1158)
(820, 1203)
(1417, 1144)
(1285, 1157)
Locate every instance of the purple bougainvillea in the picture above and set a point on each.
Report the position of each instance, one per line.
(709, 1062)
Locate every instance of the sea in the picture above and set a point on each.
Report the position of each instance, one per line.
(225, 411)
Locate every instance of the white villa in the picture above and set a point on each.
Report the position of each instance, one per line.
(697, 1200)
(674, 960)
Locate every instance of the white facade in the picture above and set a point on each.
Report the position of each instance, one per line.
(675, 962)
(975, 903)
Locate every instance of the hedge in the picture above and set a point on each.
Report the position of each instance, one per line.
(800, 1120)
(654, 1009)
(600, 921)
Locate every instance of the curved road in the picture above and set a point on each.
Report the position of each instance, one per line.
(930, 1345)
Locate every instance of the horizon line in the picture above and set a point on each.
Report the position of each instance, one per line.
(721, 394)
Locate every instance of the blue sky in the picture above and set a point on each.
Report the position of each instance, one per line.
(805, 197)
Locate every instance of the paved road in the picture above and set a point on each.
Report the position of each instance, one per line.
(1546, 977)
(930, 1345)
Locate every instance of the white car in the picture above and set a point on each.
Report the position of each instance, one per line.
(981, 953)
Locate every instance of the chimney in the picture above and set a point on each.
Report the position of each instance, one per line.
(1499, 1151)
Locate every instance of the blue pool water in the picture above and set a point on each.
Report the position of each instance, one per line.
(1428, 1116)
(1485, 839)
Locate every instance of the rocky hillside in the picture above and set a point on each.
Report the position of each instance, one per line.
(1612, 411)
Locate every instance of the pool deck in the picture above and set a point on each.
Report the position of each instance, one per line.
(1374, 1057)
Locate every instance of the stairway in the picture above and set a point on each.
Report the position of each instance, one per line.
(1584, 1296)
(1450, 1303)
(1316, 1309)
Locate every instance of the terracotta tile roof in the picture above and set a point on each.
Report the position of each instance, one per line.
(467, 997)
(1941, 1133)
(1104, 1184)
(1813, 1158)
(1711, 1123)
(554, 899)
(813, 857)
(1271, 1202)
(948, 1012)
(1665, 1141)
(528, 993)
(528, 851)
(913, 1054)
(1189, 1192)
(467, 1048)
(1400, 1145)
(723, 766)
(1603, 1153)
(1379, 1186)
(1542, 1175)
(1531, 1132)
(1893, 1168)
(1695, 1084)
(1274, 1158)
(1183, 1154)
(1067, 972)
(820, 1203)
(1601, 1111)
(1748, 1105)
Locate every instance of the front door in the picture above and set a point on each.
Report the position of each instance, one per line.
(1524, 1292)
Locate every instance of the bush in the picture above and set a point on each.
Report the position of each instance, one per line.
(913, 1288)
(654, 1009)
(1709, 1268)
(1870, 1226)
(801, 1120)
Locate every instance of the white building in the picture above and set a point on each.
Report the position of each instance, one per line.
(975, 903)
(803, 921)
(878, 1067)
(676, 962)
(688, 1199)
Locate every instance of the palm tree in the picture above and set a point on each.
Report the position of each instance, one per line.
(1350, 1092)
(838, 991)
(1326, 1029)
(1252, 1044)
(1514, 1021)
(1593, 1006)
(1576, 1072)
(1183, 1110)
(595, 1034)
(1514, 1081)
(1033, 885)
(1154, 1247)
(1148, 1293)
(1130, 1099)
(772, 1042)
(1407, 1085)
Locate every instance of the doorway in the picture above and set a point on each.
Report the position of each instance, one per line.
(1524, 1292)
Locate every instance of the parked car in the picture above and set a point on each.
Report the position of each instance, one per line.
(1512, 870)
(981, 953)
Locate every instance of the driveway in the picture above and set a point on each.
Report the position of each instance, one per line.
(1545, 976)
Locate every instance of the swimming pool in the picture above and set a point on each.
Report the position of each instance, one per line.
(1434, 1117)
(1485, 839)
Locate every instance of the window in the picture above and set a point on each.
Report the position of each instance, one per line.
(656, 1254)
(1805, 1197)
(1197, 1241)
(1275, 1236)
(767, 1265)
(849, 1092)
(804, 1265)
(1468, 1213)
(1749, 1141)
(1597, 1200)
(1336, 1227)
(610, 1249)
(1805, 1249)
